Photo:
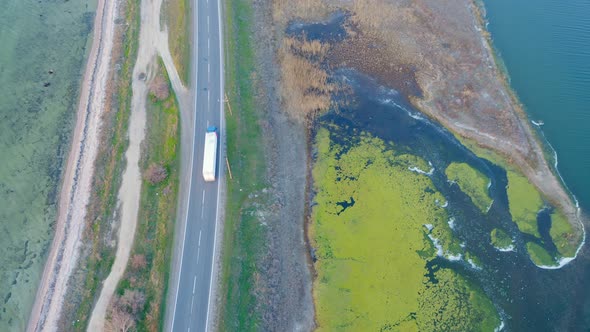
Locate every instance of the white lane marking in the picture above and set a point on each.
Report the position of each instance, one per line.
(196, 19)
(203, 200)
(194, 284)
(221, 55)
(199, 239)
(198, 252)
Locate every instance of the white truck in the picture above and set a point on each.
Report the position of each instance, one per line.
(210, 156)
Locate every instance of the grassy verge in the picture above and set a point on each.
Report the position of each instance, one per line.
(109, 166)
(472, 182)
(141, 292)
(177, 16)
(243, 237)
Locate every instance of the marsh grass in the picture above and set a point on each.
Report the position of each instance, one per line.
(305, 89)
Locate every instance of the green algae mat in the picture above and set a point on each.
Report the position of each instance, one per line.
(377, 228)
(472, 182)
(501, 240)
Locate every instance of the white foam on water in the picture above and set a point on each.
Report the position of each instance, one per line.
(390, 101)
(438, 246)
(440, 251)
(473, 265)
(454, 258)
(451, 223)
(490, 206)
(505, 249)
(500, 327)
(418, 170)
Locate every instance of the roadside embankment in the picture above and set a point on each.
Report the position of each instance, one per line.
(266, 282)
(153, 41)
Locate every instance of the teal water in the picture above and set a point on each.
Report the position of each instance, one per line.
(42, 50)
(545, 45)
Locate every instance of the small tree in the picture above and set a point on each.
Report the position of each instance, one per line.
(156, 173)
(120, 321)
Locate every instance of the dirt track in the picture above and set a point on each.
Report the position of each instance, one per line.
(152, 42)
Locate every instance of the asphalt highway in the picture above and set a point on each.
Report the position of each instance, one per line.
(190, 311)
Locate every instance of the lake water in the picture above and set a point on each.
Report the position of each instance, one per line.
(545, 45)
(42, 50)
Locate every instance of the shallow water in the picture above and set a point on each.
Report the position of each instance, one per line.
(43, 45)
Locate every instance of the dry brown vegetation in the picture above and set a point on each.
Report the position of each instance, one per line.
(304, 88)
(156, 173)
(286, 10)
(159, 88)
(124, 311)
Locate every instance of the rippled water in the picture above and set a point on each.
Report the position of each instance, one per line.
(545, 45)
(42, 49)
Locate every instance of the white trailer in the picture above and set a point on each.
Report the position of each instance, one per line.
(210, 156)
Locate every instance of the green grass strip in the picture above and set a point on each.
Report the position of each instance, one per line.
(243, 237)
